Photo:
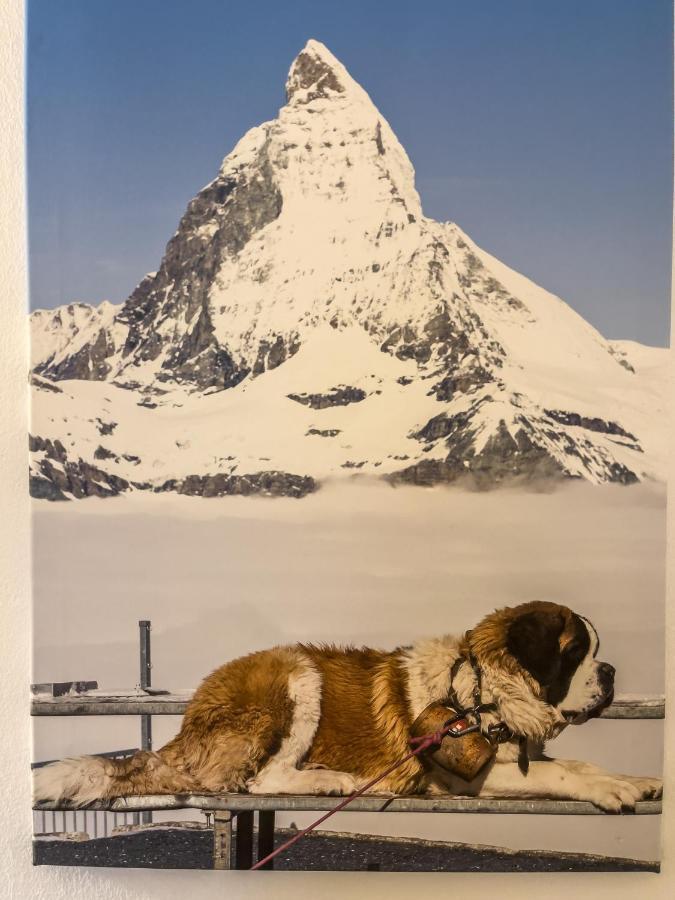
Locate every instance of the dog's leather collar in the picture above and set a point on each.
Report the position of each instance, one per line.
(498, 732)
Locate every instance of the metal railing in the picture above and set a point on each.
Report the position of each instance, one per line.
(93, 822)
(101, 822)
(165, 703)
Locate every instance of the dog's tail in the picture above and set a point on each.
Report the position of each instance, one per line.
(83, 779)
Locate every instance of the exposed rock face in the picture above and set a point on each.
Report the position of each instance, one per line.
(167, 320)
(105, 427)
(102, 453)
(508, 454)
(272, 484)
(53, 450)
(44, 489)
(89, 362)
(53, 476)
(75, 341)
(312, 78)
(273, 354)
(337, 396)
(505, 459)
(307, 270)
(592, 424)
(218, 223)
(41, 384)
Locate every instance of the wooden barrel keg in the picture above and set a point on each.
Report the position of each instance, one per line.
(465, 755)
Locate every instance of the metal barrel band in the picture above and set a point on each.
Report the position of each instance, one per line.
(476, 712)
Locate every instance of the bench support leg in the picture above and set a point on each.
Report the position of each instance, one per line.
(244, 843)
(266, 835)
(222, 839)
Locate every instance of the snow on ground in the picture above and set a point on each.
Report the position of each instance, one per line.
(256, 426)
(364, 564)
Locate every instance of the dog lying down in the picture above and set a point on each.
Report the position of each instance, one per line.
(306, 719)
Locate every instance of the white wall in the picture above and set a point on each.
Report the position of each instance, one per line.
(18, 879)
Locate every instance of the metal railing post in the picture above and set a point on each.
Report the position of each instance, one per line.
(146, 681)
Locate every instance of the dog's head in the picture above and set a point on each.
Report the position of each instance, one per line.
(556, 649)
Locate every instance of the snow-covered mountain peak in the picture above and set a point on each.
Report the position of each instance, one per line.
(307, 318)
(325, 102)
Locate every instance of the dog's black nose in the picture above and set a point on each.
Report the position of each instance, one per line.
(607, 672)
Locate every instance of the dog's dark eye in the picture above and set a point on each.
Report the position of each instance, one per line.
(574, 650)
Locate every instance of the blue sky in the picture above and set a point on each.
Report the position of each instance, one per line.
(542, 128)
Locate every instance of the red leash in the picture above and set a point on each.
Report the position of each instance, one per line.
(423, 743)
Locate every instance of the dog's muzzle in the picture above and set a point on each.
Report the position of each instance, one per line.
(605, 674)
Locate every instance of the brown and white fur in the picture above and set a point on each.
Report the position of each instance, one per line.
(324, 720)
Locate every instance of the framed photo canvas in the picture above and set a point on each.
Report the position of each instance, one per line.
(348, 434)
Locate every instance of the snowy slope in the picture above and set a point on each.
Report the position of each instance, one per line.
(309, 322)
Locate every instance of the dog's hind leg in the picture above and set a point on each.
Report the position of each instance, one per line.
(282, 773)
(277, 779)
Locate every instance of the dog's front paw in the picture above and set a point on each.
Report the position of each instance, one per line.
(612, 794)
(650, 788)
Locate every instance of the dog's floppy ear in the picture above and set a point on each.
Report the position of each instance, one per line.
(533, 638)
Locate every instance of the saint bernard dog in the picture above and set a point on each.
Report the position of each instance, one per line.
(307, 719)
